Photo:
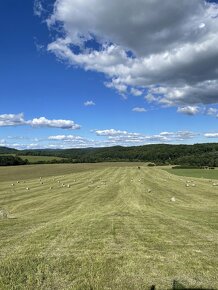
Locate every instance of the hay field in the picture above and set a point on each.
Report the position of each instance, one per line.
(101, 226)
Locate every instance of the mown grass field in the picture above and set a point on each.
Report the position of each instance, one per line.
(114, 227)
(197, 173)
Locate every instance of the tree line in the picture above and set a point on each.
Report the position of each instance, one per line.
(9, 160)
(197, 155)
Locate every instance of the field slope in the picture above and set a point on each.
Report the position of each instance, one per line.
(107, 227)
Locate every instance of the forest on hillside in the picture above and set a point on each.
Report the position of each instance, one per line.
(197, 155)
(9, 160)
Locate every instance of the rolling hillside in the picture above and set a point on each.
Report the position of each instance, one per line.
(197, 155)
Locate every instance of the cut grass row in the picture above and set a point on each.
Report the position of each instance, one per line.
(14, 173)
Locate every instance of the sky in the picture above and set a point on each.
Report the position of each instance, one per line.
(96, 73)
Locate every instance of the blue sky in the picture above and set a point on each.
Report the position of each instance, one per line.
(101, 73)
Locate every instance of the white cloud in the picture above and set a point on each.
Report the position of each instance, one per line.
(115, 84)
(135, 92)
(211, 135)
(146, 44)
(12, 120)
(212, 112)
(204, 92)
(113, 132)
(123, 23)
(37, 8)
(89, 103)
(188, 110)
(180, 135)
(18, 137)
(202, 25)
(139, 109)
(39, 46)
(105, 138)
(126, 138)
(66, 138)
(151, 98)
(18, 120)
(2, 142)
(62, 124)
(71, 141)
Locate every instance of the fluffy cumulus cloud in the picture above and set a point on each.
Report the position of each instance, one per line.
(62, 124)
(74, 141)
(101, 138)
(194, 110)
(125, 138)
(170, 50)
(89, 103)
(211, 135)
(180, 135)
(189, 110)
(135, 92)
(71, 141)
(18, 120)
(118, 86)
(69, 138)
(212, 112)
(12, 120)
(139, 109)
(113, 132)
(112, 137)
(2, 142)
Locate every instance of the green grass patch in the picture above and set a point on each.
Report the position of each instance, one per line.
(113, 227)
(197, 173)
(36, 159)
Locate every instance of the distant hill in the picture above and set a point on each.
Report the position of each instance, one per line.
(6, 150)
(161, 154)
(11, 160)
(205, 154)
